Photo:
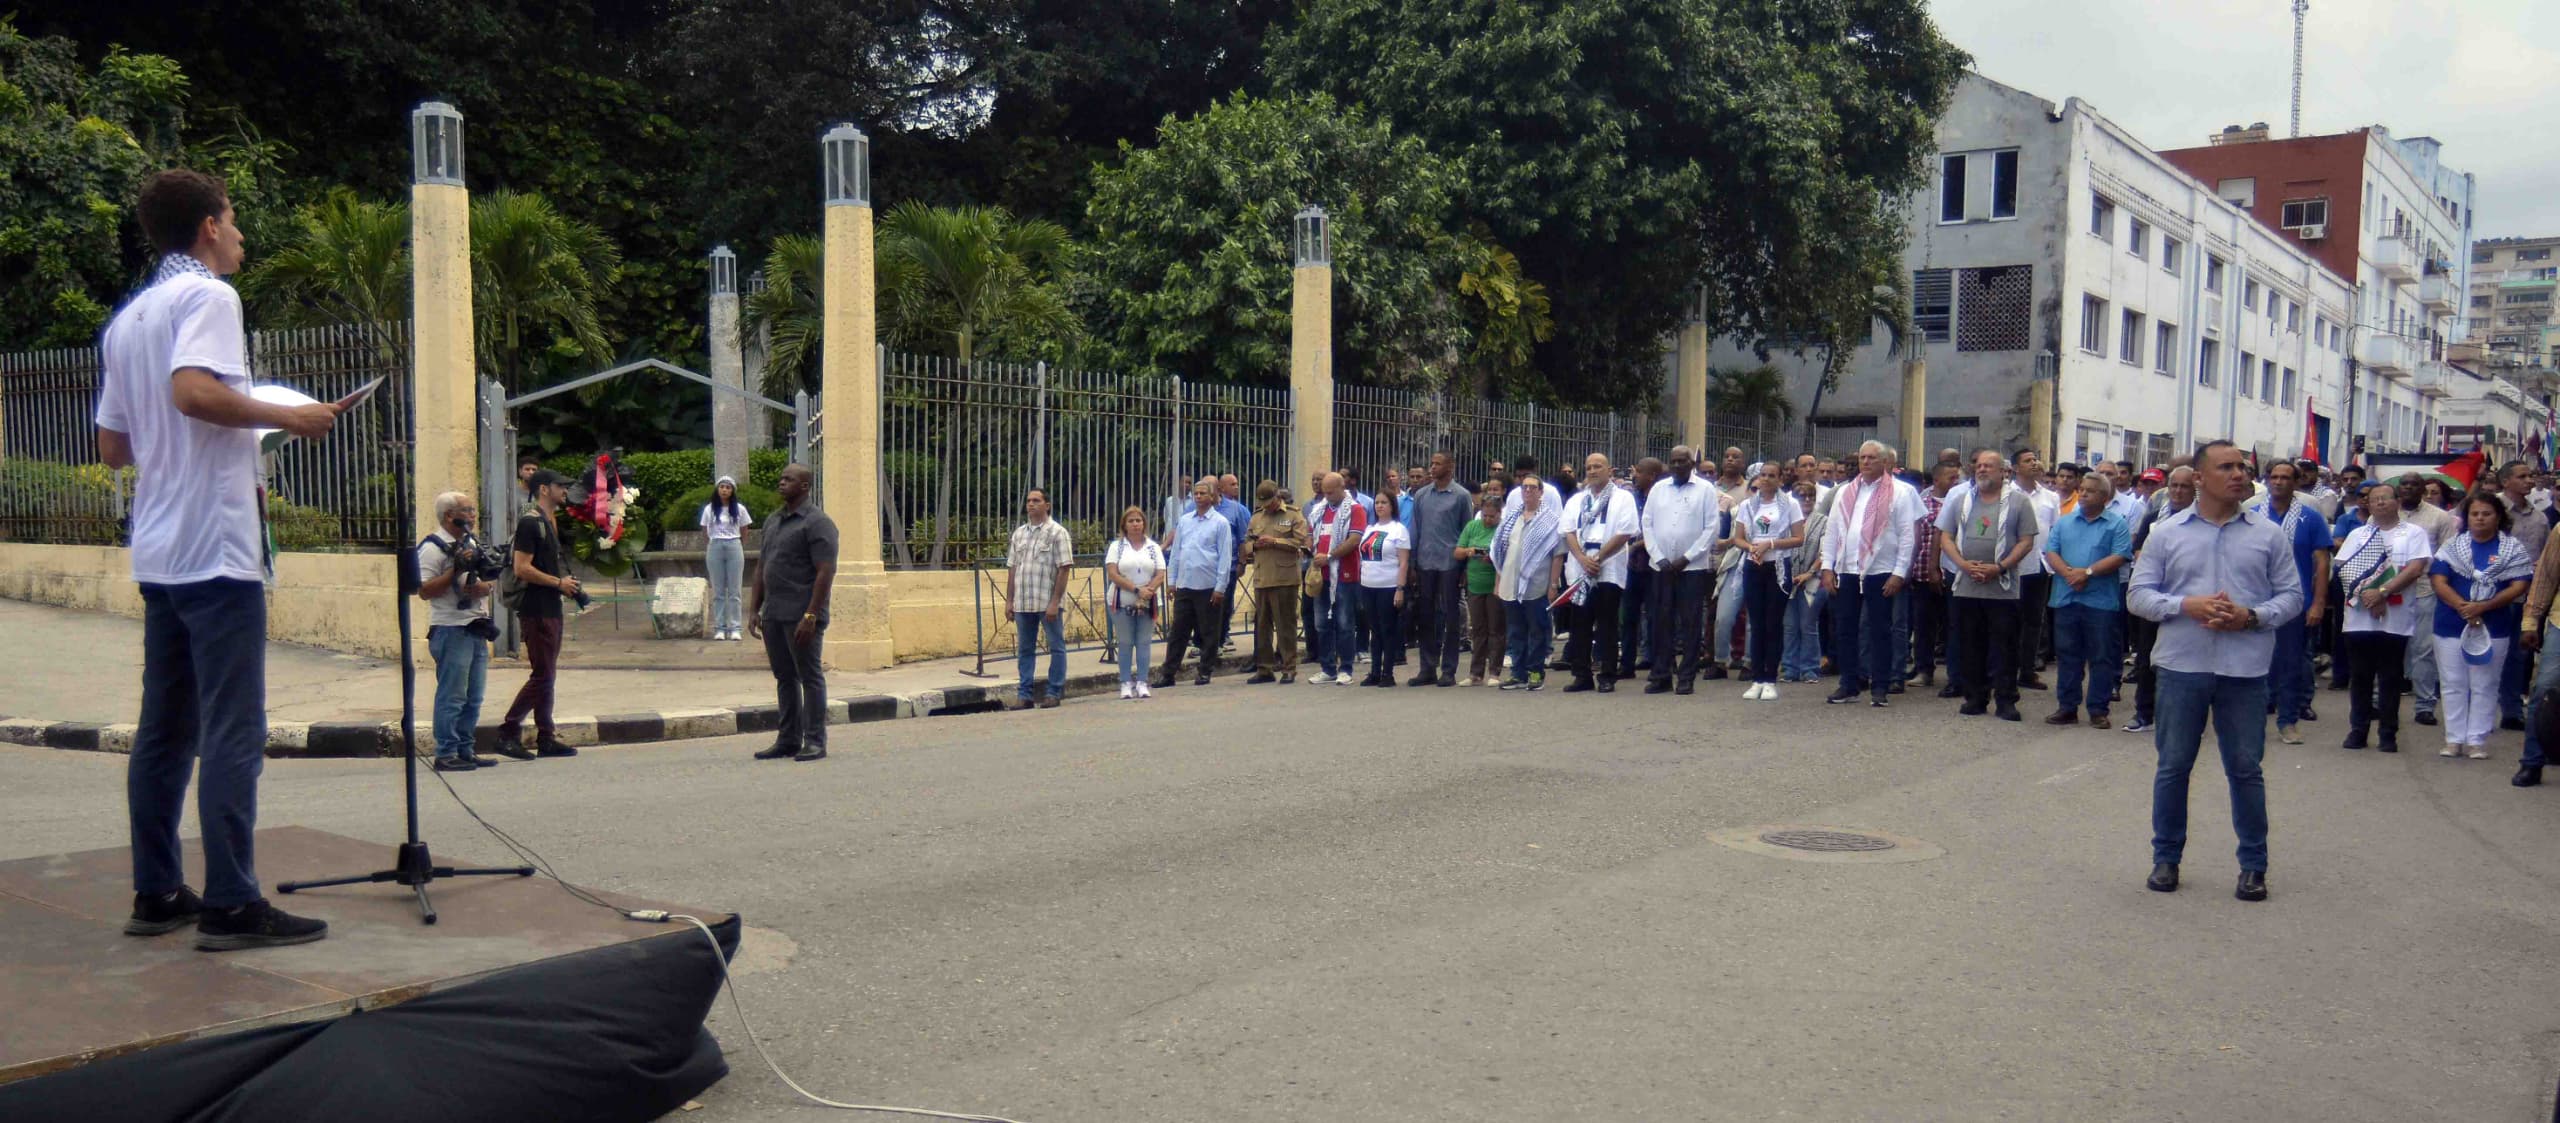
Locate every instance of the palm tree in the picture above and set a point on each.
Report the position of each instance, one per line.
(348, 262)
(1759, 393)
(790, 307)
(532, 266)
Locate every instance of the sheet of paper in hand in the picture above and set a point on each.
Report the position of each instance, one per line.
(270, 440)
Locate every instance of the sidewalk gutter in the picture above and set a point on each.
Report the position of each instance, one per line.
(342, 739)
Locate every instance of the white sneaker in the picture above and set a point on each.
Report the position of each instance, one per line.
(1128, 691)
(1143, 692)
(1768, 692)
(1320, 678)
(1345, 680)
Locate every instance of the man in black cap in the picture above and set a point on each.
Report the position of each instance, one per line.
(542, 567)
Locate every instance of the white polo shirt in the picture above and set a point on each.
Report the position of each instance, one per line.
(195, 503)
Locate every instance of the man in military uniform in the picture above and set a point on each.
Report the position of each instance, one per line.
(1276, 542)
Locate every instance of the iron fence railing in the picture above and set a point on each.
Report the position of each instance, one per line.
(335, 493)
(1082, 618)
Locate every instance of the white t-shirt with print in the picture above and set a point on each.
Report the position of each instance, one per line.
(195, 501)
(2406, 546)
(1381, 547)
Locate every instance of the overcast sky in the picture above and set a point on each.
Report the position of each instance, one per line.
(2480, 75)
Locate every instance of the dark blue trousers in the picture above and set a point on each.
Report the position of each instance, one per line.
(204, 703)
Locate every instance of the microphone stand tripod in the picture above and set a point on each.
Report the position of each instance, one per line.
(412, 866)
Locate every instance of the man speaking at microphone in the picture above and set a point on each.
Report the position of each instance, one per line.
(173, 401)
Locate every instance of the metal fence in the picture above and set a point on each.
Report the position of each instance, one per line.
(961, 446)
(335, 493)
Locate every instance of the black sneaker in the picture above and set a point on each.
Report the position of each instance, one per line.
(479, 761)
(550, 747)
(455, 764)
(777, 752)
(166, 912)
(2426, 717)
(509, 746)
(2510, 724)
(255, 925)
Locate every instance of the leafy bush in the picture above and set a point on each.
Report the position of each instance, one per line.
(686, 512)
(301, 528)
(41, 501)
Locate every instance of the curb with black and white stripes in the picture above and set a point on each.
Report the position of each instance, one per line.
(322, 739)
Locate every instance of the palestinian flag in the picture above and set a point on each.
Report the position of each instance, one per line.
(2460, 472)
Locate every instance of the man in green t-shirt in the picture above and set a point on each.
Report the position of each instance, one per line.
(1485, 628)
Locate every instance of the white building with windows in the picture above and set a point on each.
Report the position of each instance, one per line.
(2053, 243)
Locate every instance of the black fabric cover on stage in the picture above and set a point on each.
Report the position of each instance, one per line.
(610, 1034)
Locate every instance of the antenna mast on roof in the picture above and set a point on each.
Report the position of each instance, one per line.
(2299, 7)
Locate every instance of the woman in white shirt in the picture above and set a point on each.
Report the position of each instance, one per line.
(1134, 566)
(724, 556)
(1386, 550)
(2377, 564)
(1766, 527)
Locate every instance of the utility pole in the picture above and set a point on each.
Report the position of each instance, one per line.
(2299, 8)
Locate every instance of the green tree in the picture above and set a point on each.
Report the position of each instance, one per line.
(790, 313)
(1192, 269)
(532, 267)
(75, 144)
(959, 275)
(1510, 314)
(347, 261)
(1758, 393)
(1635, 150)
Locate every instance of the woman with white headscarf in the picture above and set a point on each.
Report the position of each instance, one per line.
(2477, 576)
(1525, 561)
(724, 556)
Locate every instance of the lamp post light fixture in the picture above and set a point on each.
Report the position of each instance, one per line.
(755, 282)
(848, 166)
(435, 144)
(724, 271)
(1313, 241)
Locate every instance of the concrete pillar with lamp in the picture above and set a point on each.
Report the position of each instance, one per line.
(755, 347)
(857, 636)
(1311, 345)
(442, 382)
(731, 415)
(2040, 407)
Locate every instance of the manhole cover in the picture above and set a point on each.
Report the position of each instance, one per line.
(1826, 842)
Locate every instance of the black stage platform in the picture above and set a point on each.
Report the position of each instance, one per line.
(522, 1003)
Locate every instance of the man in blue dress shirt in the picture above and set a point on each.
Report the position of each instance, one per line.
(2219, 580)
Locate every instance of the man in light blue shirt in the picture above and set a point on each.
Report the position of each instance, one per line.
(2087, 553)
(2308, 535)
(2220, 581)
(1202, 562)
(1231, 507)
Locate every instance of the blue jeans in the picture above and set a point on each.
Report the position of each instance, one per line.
(2511, 681)
(1338, 627)
(2290, 675)
(2085, 646)
(1729, 611)
(725, 561)
(1028, 627)
(2546, 678)
(2238, 710)
(1901, 653)
(204, 707)
(1532, 634)
(1862, 624)
(462, 677)
(1133, 635)
(1803, 660)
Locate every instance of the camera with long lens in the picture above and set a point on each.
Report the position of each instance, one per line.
(476, 561)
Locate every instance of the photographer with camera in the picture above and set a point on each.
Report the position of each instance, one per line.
(458, 574)
(542, 575)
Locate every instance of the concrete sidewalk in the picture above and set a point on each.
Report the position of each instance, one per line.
(73, 679)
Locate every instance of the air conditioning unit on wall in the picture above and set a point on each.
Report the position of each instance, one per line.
(2312, 233)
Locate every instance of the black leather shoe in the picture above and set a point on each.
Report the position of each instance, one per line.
(776, 752)
(2253, 886)
(1580, 686)
(455, 764)
(2511, 724)
(813, 752)
(553, 749)
(2164, 878)
(1201, 680)
(1950, 691)
(511, 747)
(2063, 717)
(1686, 687)
(2528, 776)
(1841, 696)
(1896, 688)
(2007, 712)
(1608, 686)
(2308, 714)
(2031, 682)
(1973, 709)
(2426, 717)
(2355, 740)
(1712, 674)
(1426, 678)
(1260, 677)
(1657, 686)
(2390, 743)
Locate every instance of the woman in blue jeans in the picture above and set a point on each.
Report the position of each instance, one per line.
(1806, 602)
(1525, 561)
(1134, 566)
(724, 556)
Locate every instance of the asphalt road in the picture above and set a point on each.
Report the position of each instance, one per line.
(1304, 903)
